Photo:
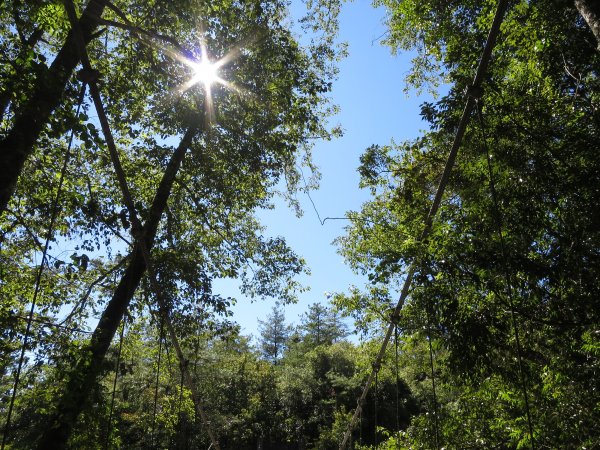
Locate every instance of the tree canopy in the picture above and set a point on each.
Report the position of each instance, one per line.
(505, 286)
(129, 184)
(195, 160)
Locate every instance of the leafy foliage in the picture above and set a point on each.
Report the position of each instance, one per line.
(505, 286)
(256, 134)
(501, 327)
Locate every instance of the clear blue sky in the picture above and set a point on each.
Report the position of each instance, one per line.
(374, 110)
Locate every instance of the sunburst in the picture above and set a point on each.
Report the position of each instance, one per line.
(204, 71)
(207, 73)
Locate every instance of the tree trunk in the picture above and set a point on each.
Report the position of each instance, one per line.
(590, 11)
(31, 118)
(81, 380)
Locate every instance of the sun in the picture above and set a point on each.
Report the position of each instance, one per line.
(205, 72)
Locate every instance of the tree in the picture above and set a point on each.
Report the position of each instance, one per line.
(195, 199)
(503, 286)
(31, 112)
(274, 333)
(322, 325)
(590, 11)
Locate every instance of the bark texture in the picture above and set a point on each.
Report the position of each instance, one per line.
(31, 118)
(590, 11)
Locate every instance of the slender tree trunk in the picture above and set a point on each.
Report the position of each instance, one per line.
(31, 118)
(81, 380)
(590, 11)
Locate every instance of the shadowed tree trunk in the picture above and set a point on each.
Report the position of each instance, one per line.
(31, 118)
(83, 377)
(590, 11)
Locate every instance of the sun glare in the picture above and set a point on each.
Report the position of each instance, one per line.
(205, 72)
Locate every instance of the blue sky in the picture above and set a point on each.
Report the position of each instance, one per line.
(373, 110)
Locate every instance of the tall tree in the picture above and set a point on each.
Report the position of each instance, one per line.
(590, 11)
(33, 106)
(322, 325)
(504, 287)
(195, 199)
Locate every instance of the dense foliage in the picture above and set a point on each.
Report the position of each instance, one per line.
(498, 343)
(197, 162)
(506, 287)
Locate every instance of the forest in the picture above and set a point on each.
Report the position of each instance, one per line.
(139, 141)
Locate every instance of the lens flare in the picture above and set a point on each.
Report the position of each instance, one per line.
(205, 72)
